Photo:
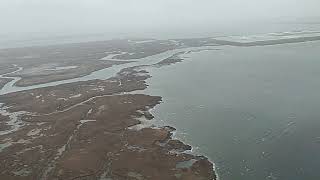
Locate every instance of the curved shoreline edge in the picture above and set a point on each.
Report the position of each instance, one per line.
(42, 109)
(177, 58)
(68, 116)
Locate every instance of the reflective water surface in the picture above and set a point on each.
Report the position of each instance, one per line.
(254, 111)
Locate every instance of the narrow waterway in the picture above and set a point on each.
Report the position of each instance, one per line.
(100, 74)
(252, 110)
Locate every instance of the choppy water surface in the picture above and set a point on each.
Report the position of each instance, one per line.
(254, 111)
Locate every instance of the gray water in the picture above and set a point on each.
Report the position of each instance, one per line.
(253, 111)
(211, 29)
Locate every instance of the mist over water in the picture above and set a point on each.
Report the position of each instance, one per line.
(250, 110)
(41, 22)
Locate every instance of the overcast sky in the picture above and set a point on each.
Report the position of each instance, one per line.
(93, 16)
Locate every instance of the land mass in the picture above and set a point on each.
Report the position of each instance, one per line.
(94, 129)
(61, 62)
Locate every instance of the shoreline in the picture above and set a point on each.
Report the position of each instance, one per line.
(120, 51)
(4, 81)
(188, 149)
(66, 116)
(172, 60)
(152, 143)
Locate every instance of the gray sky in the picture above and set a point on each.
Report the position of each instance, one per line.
(125, 16)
